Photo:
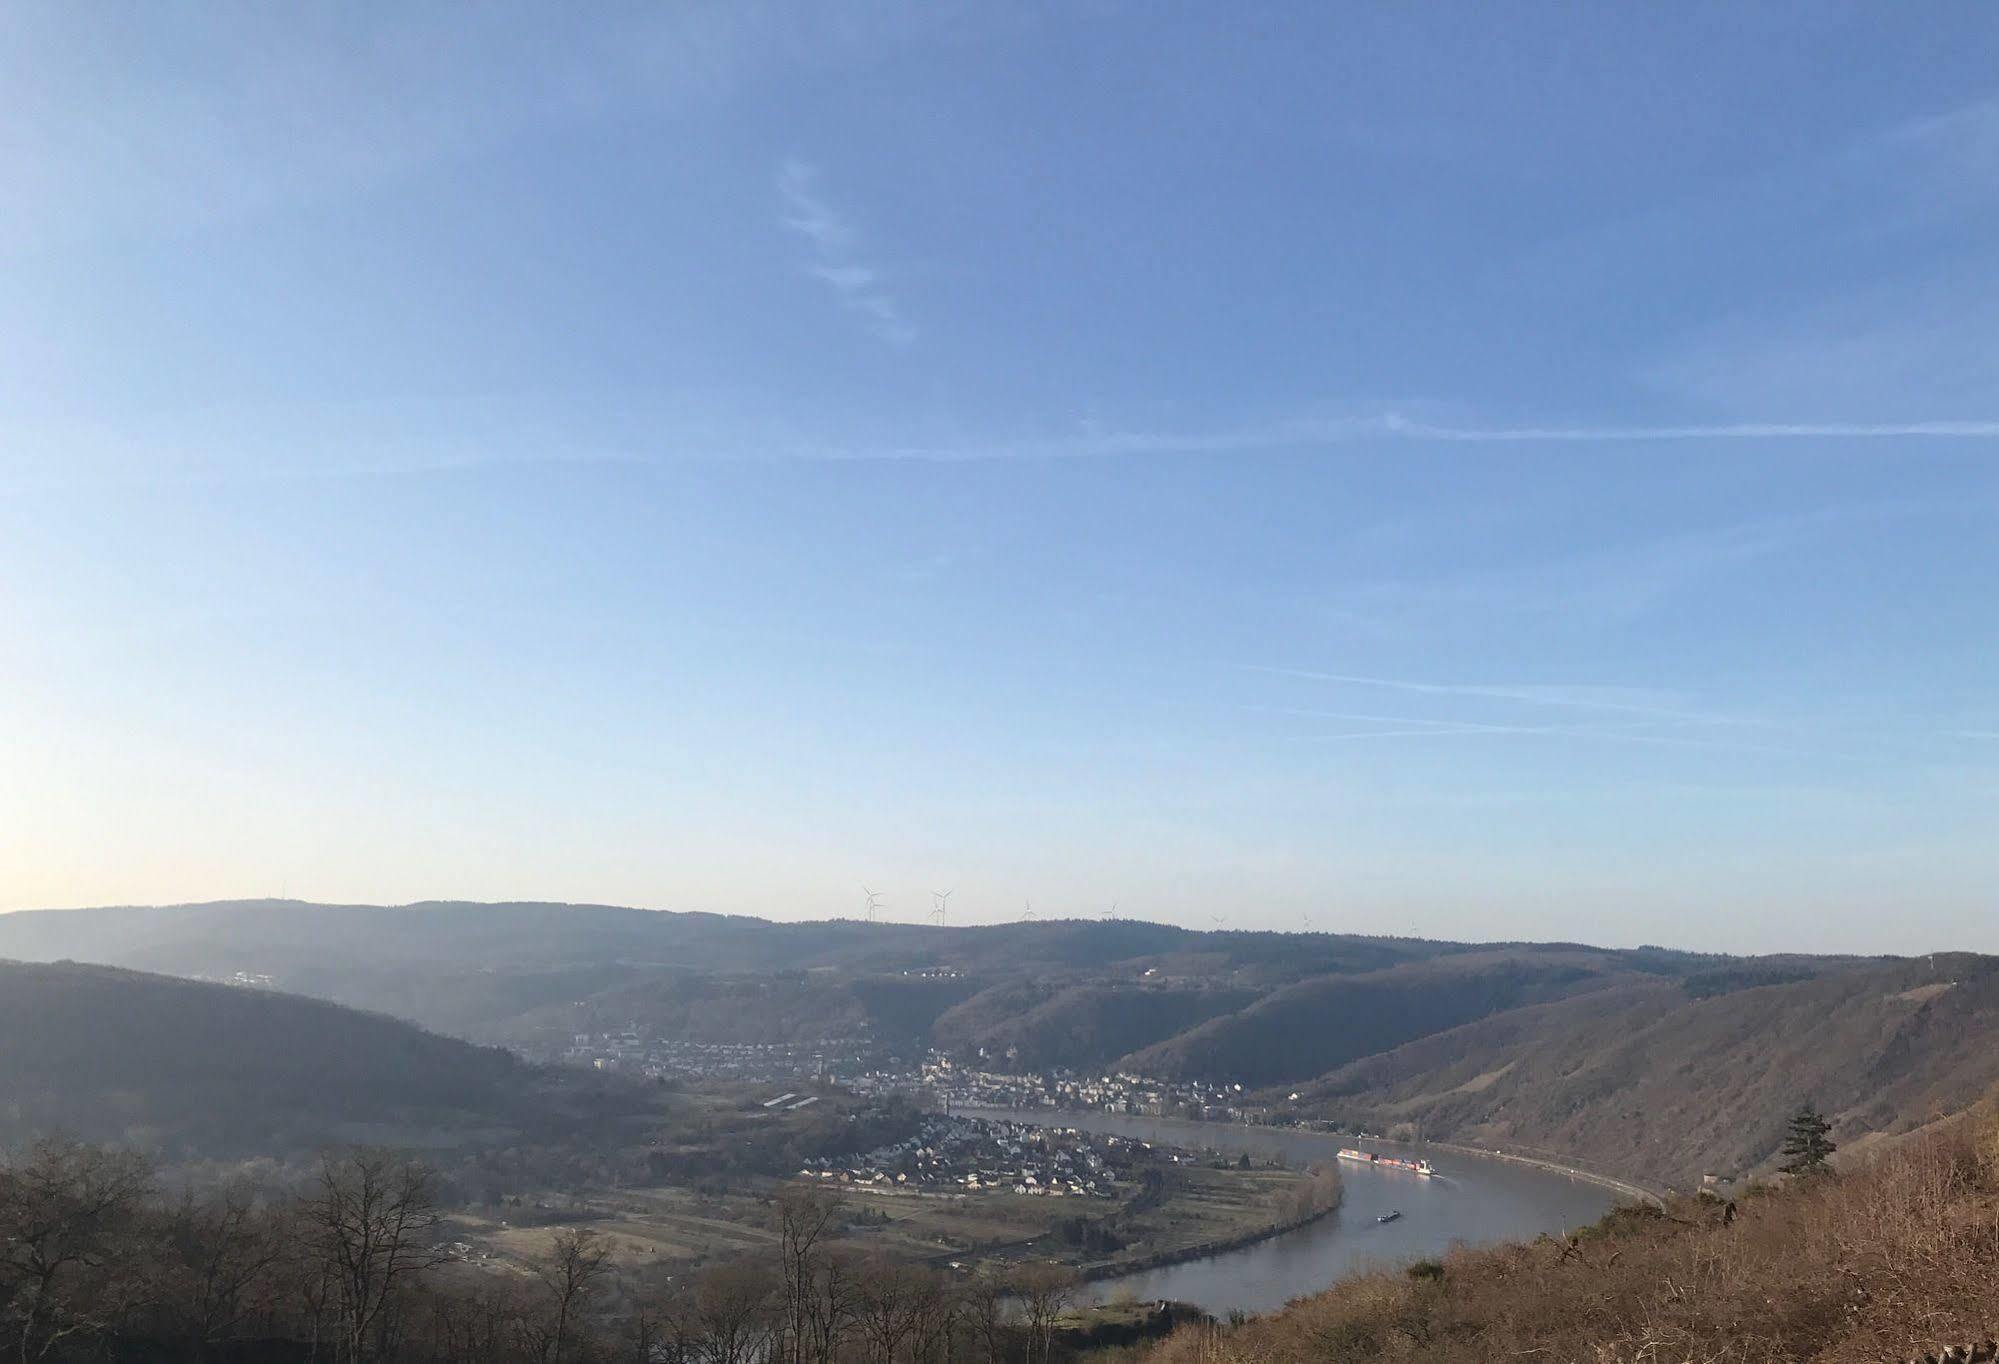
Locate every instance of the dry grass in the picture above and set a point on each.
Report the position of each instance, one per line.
(1900, 1253)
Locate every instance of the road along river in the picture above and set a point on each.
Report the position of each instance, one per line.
(1471, 1199)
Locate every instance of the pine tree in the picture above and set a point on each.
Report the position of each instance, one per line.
(1807, 1143)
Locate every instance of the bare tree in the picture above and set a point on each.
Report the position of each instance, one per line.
(226, 1252)
(1045, 1292)
(570, 1271)
(829, 1307)
(474, 1323)
(370, 1224)
(938, 1315)
(648, 1338)
(733, 1312)
(888, 1303)
(65, 1210)
(804, 1216)
(676, 1331)
(985, 1303)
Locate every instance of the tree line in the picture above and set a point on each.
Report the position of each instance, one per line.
(98, 1264)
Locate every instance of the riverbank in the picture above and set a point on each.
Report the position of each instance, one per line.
(1475, 1200)
(1551, 1164)
(1203, 1250)
(1627, 1188)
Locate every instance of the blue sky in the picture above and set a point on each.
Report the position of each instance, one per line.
(1480, 471)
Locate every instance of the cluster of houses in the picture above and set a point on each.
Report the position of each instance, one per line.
(960, 1086)
(248, 980)
(952, 1154)
(761, 1062)
(859, 1065)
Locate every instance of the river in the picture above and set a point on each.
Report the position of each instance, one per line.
(1471, 1199)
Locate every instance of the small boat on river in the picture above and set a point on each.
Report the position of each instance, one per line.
(1390, 1215)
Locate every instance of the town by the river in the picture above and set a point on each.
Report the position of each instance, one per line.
(1471, 1199)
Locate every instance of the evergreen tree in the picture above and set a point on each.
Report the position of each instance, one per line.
(1807, 1144)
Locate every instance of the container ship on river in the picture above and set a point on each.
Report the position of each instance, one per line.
(1420, 1167)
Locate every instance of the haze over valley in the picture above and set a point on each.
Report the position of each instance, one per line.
(1660, 1065)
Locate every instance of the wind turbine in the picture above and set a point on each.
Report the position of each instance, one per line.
(1111, 913)
(940, 903)
(1219, 919)
(1030, 914)
(874, 904)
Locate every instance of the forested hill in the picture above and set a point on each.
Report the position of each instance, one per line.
(185, 1066)
(275, 936)
(1055, 993)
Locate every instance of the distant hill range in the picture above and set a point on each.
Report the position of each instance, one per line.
(186, 1067)
(1656, 1062)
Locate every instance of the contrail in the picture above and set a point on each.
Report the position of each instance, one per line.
(1388, 426)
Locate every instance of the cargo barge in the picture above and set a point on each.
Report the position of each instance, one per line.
(1418, 1167)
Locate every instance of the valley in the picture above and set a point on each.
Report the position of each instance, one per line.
(1658, 1064)
(1071, 1114)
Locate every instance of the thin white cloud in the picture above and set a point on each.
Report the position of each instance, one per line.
(1639, 731)
(837, 262)
(1392, 426)
(1412, 728)
(1625, 700)
(1960, 430)
(1678, 741)
(65, 457)
(1400, 721)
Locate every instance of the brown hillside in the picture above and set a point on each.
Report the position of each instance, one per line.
(1307, 1029)
(1649, 1080)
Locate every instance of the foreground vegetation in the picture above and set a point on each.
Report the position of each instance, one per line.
(358, 1264)
(1164, 1212)
(1891, 1257)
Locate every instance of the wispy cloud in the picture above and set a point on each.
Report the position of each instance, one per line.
(1893, 347)
(837, 257)
(1583, 732)
(1606, 584)
(157, 123)
(1984, 430)
(286, 443)
(1628, 715)
(195, 447)
(1309, 434)
(1889, 325)
(1416, 727)
(1624, 700)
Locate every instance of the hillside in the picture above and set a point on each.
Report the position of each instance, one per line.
(1891, 1260)
(1311, 1027)
(1041, 1023)
(1667, 1080)
(185, 1066)
(1058, 993)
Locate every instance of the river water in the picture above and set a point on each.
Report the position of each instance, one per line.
(1471, 1199)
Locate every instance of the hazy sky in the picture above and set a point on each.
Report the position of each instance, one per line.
(1471, 470)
